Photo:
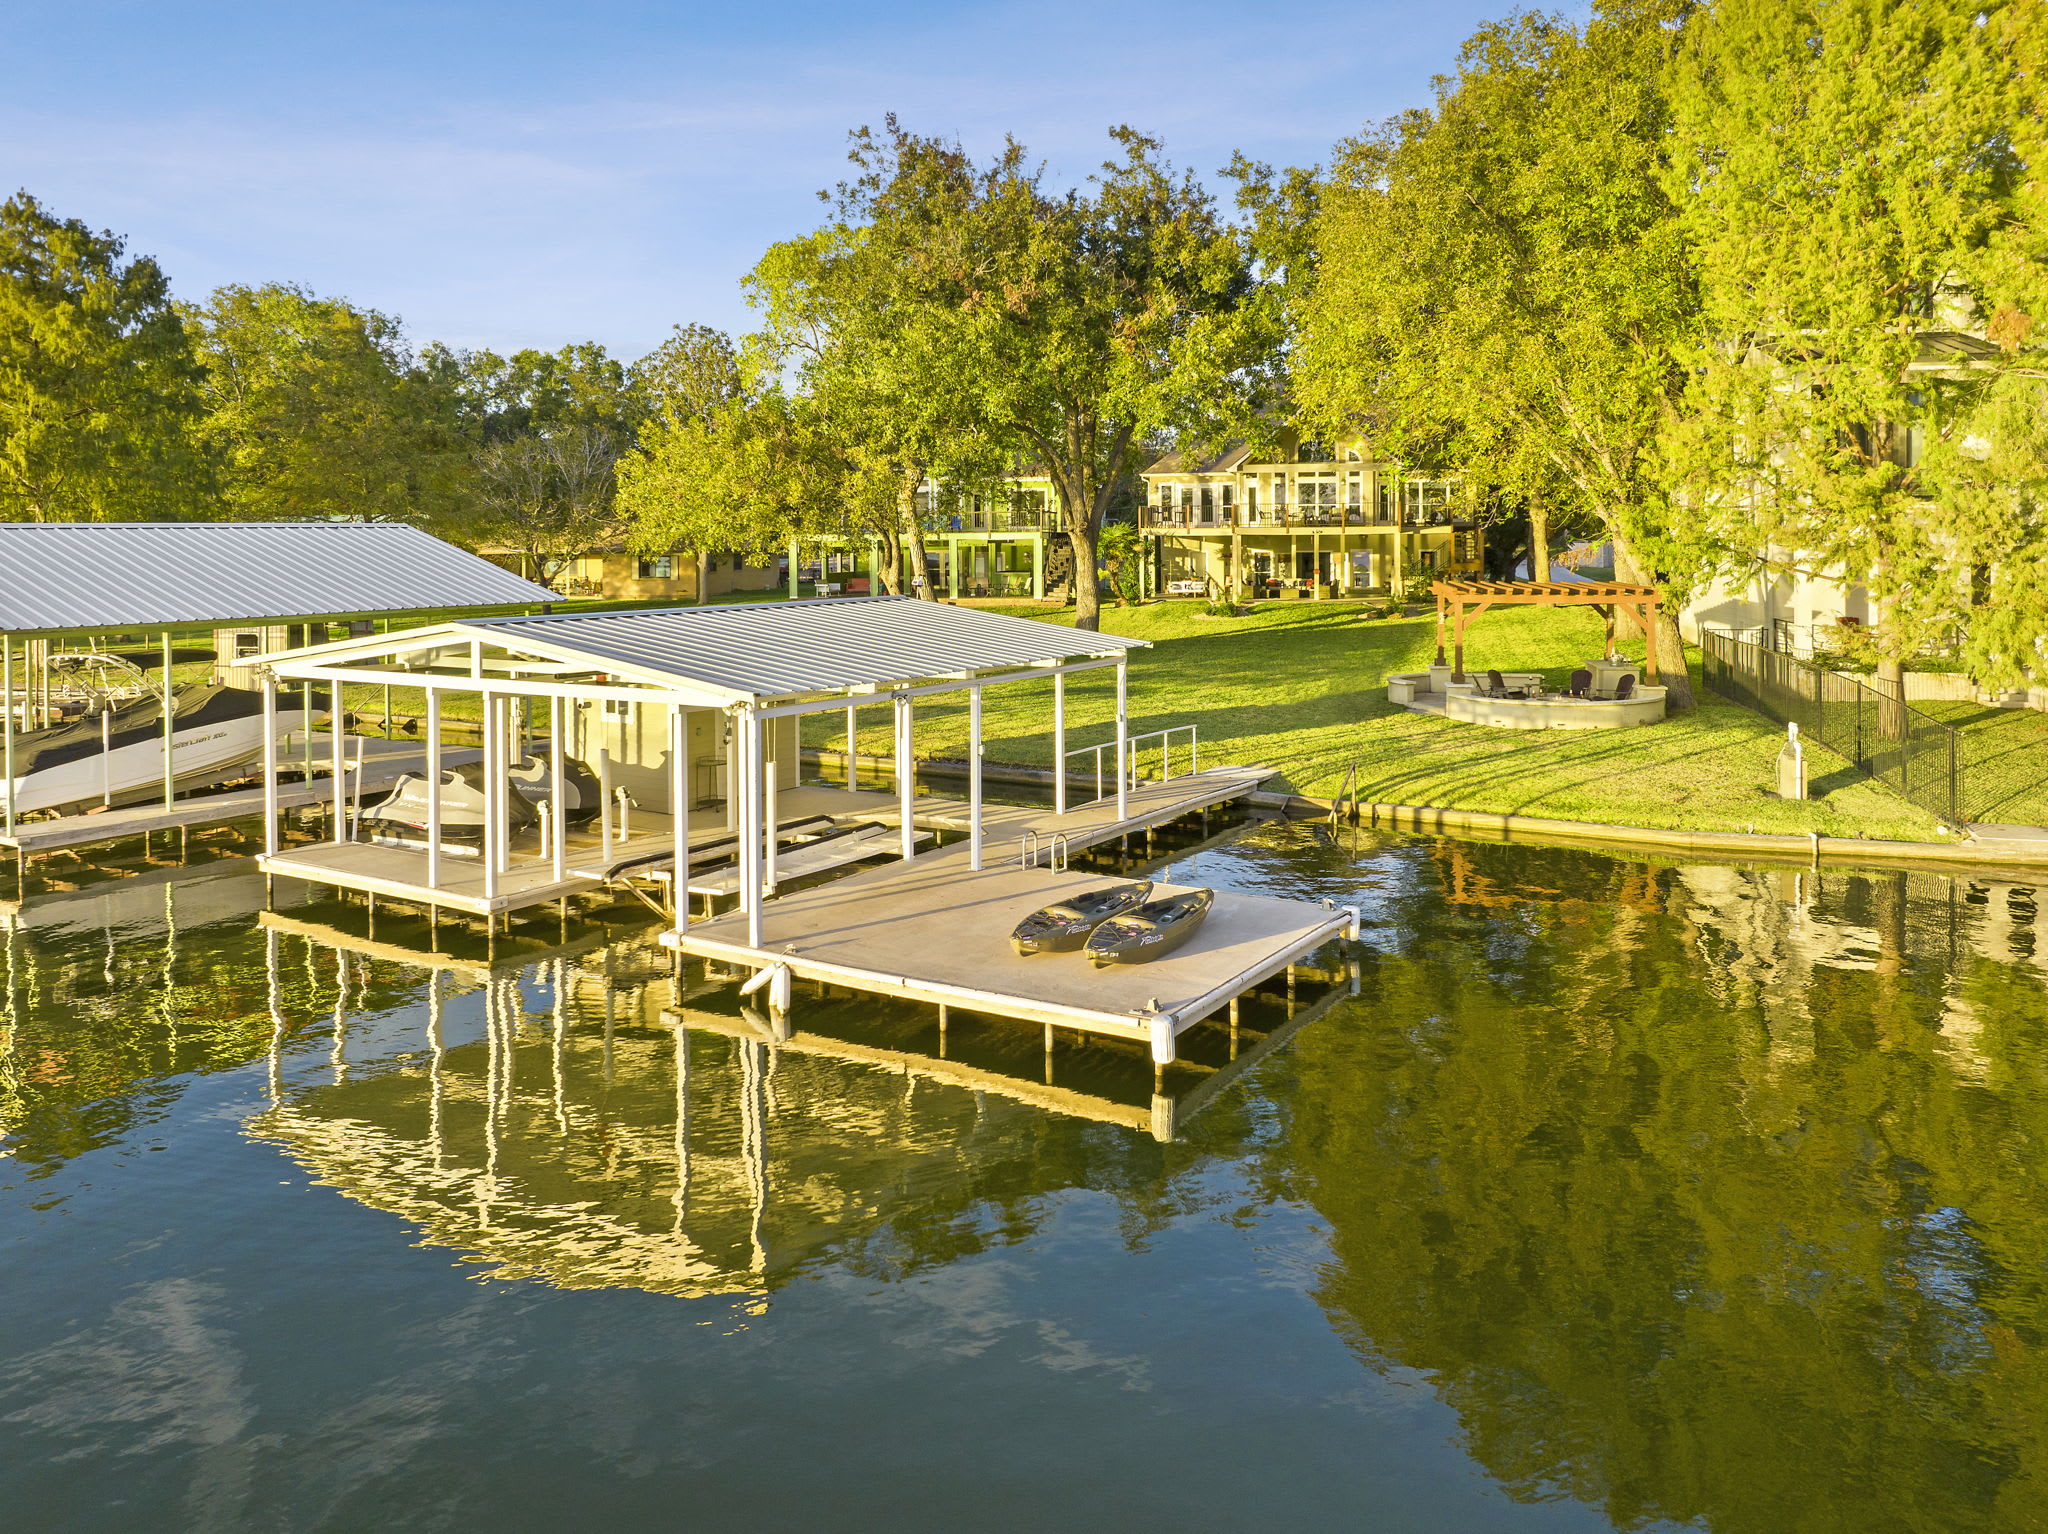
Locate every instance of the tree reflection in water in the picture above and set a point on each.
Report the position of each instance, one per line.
(1703, 1194)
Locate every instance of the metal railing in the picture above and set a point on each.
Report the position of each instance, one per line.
(1886, 738)
(1053, 847)
(1132, 753)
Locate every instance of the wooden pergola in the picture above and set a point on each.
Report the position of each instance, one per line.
(1463, 601)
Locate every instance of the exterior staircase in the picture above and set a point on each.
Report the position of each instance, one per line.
(1059, 567)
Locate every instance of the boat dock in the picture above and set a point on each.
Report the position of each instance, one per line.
(935, 929)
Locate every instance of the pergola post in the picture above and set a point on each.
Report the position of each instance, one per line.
(1059, 743)
(974, 776)
(269, 766)
(1646, 614)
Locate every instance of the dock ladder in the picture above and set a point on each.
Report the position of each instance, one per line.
(1052, 847)
(1347, 793)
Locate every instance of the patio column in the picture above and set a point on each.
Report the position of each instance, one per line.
(339, 769)
(558, 813)
(679, 810)
(794, 589)
(170, 723)
(974, 776)
(750, 842)
(906, 783)
(433, 788)
(1059, 743)
(953, 567)
(1123, 780)
(269, 765)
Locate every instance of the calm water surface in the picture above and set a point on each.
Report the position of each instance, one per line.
(1618, 1196)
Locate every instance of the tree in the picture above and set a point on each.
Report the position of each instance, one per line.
(1076, 324)
(99, 388)
(317, 410)
(548, 495)
(1851, 189)
(1500, 279)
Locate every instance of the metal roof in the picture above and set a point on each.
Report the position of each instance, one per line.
(774, 649)
(107, 575)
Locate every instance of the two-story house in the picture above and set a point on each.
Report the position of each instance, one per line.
(1312, 520)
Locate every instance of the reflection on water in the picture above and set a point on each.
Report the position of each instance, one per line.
(1618, 1195)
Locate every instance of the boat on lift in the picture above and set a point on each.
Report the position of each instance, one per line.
(400, 818)
(1151, 931)
(114, 754)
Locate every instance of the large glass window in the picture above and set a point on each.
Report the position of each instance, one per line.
(658, 567)
(1208, 504)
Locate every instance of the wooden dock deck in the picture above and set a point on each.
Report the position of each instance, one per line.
(934, 929)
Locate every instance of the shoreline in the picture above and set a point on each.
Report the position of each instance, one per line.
(1810, 849)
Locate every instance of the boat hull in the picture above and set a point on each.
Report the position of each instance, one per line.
(1152, 931)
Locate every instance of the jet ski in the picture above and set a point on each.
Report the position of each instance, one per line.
(115, 753)
(1065, 926)
(400, 818)
(1154, 929)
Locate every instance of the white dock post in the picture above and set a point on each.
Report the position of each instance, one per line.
(494, 805)
(7, 722)
(679, 810)
(604, 801)
(170, 723)
(269, 766)
(340, 766)
(433, 788)
(1123, 747)
(906, 785)
(974, 776)
(1059, 743)
(750, 831)
(558, 818)
(771, 821)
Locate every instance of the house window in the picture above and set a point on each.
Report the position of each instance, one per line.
(1354, 491)
(1226, 503)
(1208, 504)
(1280, 494)
(1251, 503)
(660, 567)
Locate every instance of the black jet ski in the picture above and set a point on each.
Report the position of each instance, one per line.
(1156, 928)
(115, 753)
(1063, 927)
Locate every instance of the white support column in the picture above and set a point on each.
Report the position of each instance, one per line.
(7, 722)
(340, 765)
(906, 781)
(1123, 776)
(1059, 743)
(852, 748)
(558, 798)
(494, 797)
(771, 819)
(433, 788)
(679, 809)
(170, 720)
(270, 766)
(974, 777)
(604, 801)
(750, 850)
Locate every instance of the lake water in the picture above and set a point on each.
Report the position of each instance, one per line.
(1618, 1196)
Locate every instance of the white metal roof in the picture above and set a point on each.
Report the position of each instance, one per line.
(774, 649)
(100, 575)
(755, 650)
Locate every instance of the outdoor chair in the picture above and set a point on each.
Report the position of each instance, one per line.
(1497, 687)
(1625, 687)
(1582, 683)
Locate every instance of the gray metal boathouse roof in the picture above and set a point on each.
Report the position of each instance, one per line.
(774, 649)
(84, 576)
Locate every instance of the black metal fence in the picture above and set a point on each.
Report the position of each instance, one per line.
(1914, 754)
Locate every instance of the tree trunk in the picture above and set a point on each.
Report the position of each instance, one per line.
(914, 559)
(1672, 674)
(1539, 538)
(1087, 591)
(1891, 711)
(889, 563)
(703, 579)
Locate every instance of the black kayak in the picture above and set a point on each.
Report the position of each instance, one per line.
(1155, 928)
(1064, 927)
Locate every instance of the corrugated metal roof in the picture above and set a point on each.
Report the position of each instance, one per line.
(86, 575)
(774, 649)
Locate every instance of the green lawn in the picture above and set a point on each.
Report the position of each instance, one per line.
(1300, 687)
(2005, 760)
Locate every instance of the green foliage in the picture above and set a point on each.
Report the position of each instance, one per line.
(316, 410)
(1849, 187)
(1122, 552)
(99, 389)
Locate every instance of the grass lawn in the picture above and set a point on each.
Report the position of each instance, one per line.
(2005, 760)
(1300, 687)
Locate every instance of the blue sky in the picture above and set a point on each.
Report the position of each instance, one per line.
(511, 174)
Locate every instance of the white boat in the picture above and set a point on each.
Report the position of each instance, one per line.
(400, 817)
(115, 755)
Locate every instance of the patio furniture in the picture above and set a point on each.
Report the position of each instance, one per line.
(1497, 687)
(1582, 683)
(1625, 688)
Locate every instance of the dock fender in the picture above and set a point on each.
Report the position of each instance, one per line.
(779, 983)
